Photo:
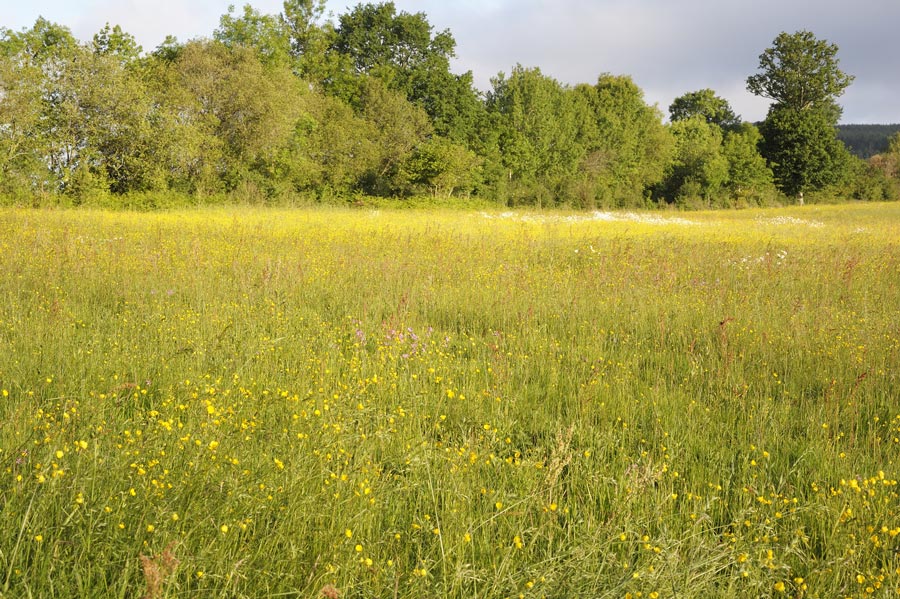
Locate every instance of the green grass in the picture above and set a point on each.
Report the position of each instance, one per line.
(450, 404)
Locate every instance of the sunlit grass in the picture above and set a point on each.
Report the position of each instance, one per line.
(431, 404)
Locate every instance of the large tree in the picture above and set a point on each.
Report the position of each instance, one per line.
(803, 150)
(699, 171)
(749, 178)
(800, 74)
(626, 146)
(704, 103)
(37, 109)
(22, 171)
(406, 54)
(399, 129)
(538, 138)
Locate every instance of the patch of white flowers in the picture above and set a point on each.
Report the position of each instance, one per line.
(790, 220)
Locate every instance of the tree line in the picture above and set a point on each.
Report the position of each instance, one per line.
(866, 141)
(275, 107)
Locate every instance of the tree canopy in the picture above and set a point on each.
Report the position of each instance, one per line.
(706, 104)
(800, 74)
(271, 106)
(799, 71)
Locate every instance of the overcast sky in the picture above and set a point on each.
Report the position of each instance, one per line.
(669, 47)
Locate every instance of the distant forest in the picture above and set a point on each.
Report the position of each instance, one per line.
(299, 107)
(866, 141)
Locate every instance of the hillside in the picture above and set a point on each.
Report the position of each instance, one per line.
(866, 140)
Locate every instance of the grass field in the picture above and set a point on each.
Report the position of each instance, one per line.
(323, 403)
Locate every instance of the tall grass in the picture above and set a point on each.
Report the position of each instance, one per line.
(347, 403)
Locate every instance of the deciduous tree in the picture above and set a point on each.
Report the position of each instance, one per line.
(801, 75)
(538, 134)
(403, 51)
(704, 103)
(749, 178)
(626, 145)
(799, 71)
(269, 35)
(698, 171)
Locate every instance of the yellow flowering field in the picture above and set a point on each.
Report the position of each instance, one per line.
(353, 403)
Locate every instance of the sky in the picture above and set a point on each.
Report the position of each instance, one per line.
(669, 47)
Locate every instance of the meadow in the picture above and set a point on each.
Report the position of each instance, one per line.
(240, 402)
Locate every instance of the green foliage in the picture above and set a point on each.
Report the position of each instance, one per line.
(89, 120)
(292, 105)
(867, 181)
(394, 46)
(800, 74)
(894, 144)
(269, 35)
(239, 114)
(885, 169)
(303, 20)
(43, 43)
(865, 141)
(626, 146)
(22, 172)
(311, 39)
(706, 104)
(340, 145)
(37, 109)
(803, 150)
(595, 145)
(116, 42)
(442, 168)
(118, 125)
(699, 170)
(749, 178)
(712, 168)
(538, 134)
(402, 50)
(399, 129)
(168, 50)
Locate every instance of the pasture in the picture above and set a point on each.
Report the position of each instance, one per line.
(318, 403)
